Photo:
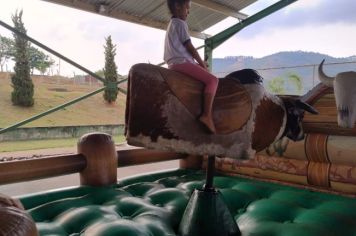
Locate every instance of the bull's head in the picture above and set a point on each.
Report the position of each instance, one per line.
(295, 109)
(344, 85)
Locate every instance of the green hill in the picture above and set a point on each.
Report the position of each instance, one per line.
(267, 66)
(51, 91)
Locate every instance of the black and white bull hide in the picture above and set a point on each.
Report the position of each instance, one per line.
(163, 107)
(344, 84)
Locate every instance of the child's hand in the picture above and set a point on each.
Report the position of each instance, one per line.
(204, 66)
(206, 63)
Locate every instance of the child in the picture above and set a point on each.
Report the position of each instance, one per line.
(179, 54)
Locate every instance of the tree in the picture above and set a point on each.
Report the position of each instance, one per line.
(110, 71)
(100, 73)
(276, 85)
(6, 50)
(23, 89)
(297, 81)
(280, 86)
(39, 61)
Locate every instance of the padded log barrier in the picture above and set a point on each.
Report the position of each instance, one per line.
(319, 163)
(101, 158)
(14, 220)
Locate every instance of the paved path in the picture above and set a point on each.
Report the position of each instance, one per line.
(20, 155)
(68, 180)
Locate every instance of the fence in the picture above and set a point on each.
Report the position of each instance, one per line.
(37, 133)
(297, 79)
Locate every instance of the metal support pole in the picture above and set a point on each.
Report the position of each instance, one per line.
(208, 54)
(216, 40)
(206, 212)
(210, 171)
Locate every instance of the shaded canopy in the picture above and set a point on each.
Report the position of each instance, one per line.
(154, 13)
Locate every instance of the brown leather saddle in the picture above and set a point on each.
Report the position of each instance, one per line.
(232, 105)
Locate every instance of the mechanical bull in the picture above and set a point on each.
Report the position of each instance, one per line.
(163, 107)
(344, 85)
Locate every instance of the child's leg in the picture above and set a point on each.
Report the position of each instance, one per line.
(199, 73)
(211, 84)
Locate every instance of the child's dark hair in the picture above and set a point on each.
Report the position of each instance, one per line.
(172, 4)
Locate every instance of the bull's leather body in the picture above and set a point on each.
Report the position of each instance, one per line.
(163, 107)
(232, 104)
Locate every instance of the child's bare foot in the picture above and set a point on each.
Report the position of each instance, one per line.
(208, 122)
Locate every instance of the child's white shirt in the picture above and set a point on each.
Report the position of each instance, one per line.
(176, 36)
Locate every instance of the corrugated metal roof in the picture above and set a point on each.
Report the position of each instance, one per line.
(154, 13)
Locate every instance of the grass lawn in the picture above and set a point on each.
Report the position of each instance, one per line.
(42, 144)
(53, 91)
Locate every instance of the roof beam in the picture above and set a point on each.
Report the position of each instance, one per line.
(222, 9)
(121, 16)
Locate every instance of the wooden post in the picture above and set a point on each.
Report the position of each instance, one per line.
(101, 157)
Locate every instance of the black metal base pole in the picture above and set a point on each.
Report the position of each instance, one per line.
(206, 213)
(210, 172)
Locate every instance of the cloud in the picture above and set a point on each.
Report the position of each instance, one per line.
(302, 13)
(305, 38)
(326, 12)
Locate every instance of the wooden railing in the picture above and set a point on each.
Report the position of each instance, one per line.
(51, 166)
(25, 170)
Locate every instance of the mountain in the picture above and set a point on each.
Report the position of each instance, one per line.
(283, 64)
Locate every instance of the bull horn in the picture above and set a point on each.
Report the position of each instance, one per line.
(328, 81)
(306, 107)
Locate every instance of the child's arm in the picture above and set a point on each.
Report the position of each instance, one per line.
(189, 46)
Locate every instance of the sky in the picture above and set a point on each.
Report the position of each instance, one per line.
(324, 26)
